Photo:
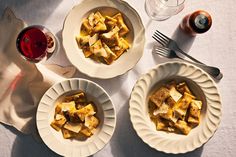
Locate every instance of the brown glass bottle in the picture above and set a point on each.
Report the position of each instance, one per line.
(198, 22)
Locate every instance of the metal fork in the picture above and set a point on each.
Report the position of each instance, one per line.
(170, 43)
(168, 53)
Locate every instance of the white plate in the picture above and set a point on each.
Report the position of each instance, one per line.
(89, 67)
(202, 87)
(75, 148)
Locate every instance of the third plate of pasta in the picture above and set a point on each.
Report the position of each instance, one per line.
(175, 107)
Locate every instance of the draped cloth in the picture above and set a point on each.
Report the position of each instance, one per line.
(22, 83)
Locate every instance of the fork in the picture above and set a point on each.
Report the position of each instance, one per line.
(170, 43)
(168, 53)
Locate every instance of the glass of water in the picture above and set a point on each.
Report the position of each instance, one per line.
(163, 9)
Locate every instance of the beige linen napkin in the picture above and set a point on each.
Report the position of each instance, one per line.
(22, 83)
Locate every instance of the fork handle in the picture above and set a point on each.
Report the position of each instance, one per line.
(190, 57)
(213, 71)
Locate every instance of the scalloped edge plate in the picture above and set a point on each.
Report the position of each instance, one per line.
(89, 67)
(171, 142)
(75, 148)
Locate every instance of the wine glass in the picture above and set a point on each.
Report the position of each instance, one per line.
(36, 43)
(163, 9)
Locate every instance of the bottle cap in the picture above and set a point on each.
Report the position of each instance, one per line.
(200, 21)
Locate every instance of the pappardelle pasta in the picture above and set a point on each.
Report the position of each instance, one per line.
(173, 108)
(102, 38)
(75, 116)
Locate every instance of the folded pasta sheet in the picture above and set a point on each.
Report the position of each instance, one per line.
(194, 112)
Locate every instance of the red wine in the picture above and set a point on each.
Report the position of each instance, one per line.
(32, 43)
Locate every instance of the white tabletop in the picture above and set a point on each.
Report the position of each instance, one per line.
(216, 47)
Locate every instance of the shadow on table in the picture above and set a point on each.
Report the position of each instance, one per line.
(125, 141)
(40, 10)
(183, 39)
(112, 85)
(26, 146)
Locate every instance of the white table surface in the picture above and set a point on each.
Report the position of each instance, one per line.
(216, 47)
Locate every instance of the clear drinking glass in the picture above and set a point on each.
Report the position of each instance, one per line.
(36, 43)
(163, 9)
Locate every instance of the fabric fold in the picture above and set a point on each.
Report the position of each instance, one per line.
(22, 84)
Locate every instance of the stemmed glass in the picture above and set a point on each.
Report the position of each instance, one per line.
(36, 43)
(163, 9)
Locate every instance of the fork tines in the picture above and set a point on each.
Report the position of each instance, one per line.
(161, 38)
(163, 51)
